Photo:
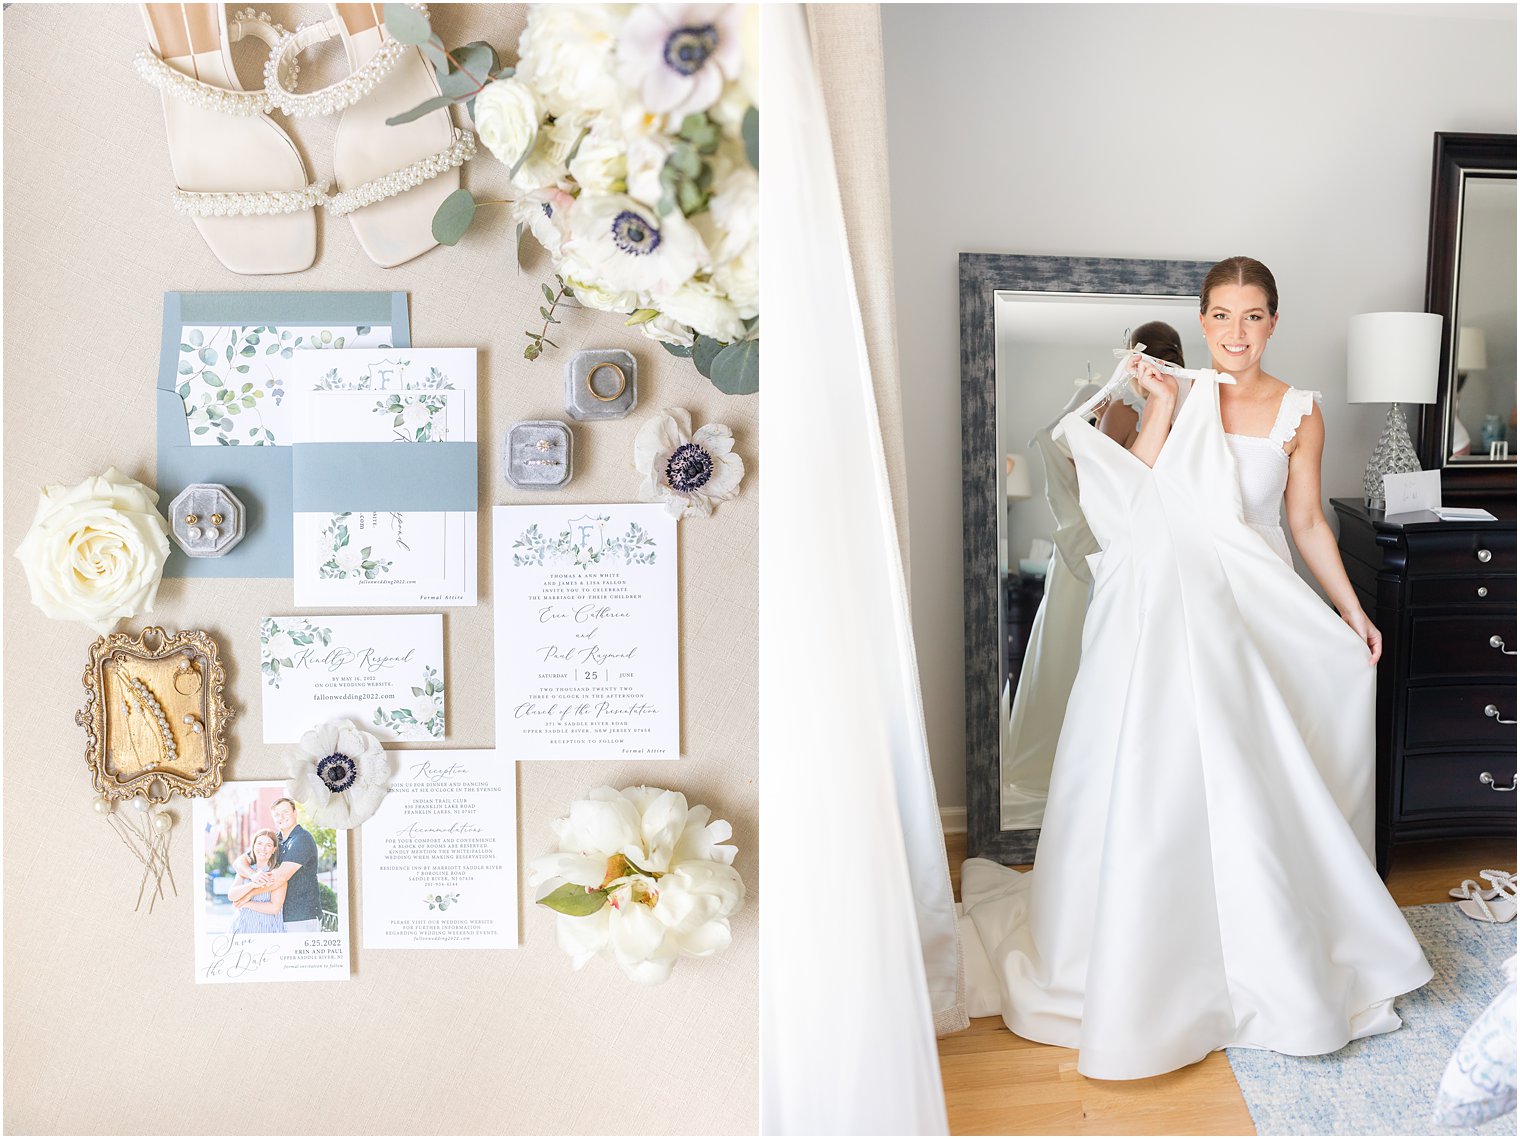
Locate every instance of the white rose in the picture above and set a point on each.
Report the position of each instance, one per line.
(545, 165)
(701, 306)
(349, 559)
(668, 331)
(507, 116)
(413, 416)
(732, 229)
(279, 646)
(601, 161)
(96, 551)
(565, 55)
(591, 293)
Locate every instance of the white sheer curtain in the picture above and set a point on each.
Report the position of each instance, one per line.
(860, 957)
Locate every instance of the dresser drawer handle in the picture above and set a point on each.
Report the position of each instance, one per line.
(1488, 777)
(1482, 591)
(1493, 710)
(1497, 642)
(1485, 555)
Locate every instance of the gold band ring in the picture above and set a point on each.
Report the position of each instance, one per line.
(622, 381)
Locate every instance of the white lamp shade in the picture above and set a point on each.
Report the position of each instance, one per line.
(1393, 357)
(1017, 470)
(1472, 349)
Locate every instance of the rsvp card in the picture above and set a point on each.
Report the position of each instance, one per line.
(587, 638)
(440, 855)
(383, 673)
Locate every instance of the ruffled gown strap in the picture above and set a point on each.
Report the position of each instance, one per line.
(1296, 403)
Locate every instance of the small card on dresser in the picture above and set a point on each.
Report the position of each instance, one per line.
(384, 444)
(383, 673)
(440, 855)
(587, 632)
(275, 902)
(1411, 493)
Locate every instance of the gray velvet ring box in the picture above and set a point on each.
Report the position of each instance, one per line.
(582, 403)
(540, 454)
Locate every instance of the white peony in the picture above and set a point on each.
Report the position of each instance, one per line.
(661, 870)
(95, 552)
(688, 472)
(620, 246)
(734, 237)
(414, 416)
(677, 57)
(340, 773)
(565, 55)
(507, 117)
(349, 558)
(703, 308)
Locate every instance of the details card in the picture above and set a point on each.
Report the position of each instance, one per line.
(587, 637)
(440, 855)
(275, 903)
(383, 673)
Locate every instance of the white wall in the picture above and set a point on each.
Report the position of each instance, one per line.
(1298, 134)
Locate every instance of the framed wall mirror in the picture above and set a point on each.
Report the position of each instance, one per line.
(1034, 331)
(1469, 432)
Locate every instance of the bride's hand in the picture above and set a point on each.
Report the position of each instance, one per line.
(1157, 384)
(1363, 627)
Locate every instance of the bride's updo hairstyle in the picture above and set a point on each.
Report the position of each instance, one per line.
(1160, 340)
(1239, 271)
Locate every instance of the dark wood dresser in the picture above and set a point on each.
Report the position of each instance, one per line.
(1443, 595)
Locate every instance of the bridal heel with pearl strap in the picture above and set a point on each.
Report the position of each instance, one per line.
(237, 173)
(391, 179)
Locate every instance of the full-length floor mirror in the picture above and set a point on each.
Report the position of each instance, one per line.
(1035, 332)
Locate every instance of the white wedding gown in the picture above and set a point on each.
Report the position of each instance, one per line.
(1204, 877)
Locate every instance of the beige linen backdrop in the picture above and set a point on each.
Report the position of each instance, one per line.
(105, 1030)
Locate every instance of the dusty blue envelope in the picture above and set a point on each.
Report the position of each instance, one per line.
(261, 476)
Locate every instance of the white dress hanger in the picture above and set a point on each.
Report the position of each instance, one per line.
(1122, 373)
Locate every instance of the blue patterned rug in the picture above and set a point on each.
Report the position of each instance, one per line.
(1386, 1085)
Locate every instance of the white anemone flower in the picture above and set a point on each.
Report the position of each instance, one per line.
(624, 247)
(679, 56)
(340, 774)
(545, 212)
(687, 471)
(657, 872)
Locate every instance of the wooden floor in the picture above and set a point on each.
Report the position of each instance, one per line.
(999, 1084)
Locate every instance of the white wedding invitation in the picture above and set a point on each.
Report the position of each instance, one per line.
(399, 551)
(440, 855)
(384, 673)
(587, 636)
(274, 906)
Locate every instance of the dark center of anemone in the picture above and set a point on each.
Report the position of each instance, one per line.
(689, 468)
(548, 210)
(633, 234)
(337, 771)
(687, 49)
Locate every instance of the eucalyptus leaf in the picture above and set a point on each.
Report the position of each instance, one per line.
(436, 55)
(454, 217)
(523, 157)
(704, 352)
(423, 108)
(576, 148)
(197, 338)
(208, 355)
(407, 24)
(749, 130)
(736, 371)
(676, 350)
(458, 84)
(479, 59)
(504, 73)
(574, 901)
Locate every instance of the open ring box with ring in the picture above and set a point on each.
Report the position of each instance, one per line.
(601, 383)
(540, 454)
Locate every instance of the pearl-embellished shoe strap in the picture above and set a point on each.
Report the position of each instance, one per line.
(208, 96)
(336, 96)
(249, 203)
(409, 177)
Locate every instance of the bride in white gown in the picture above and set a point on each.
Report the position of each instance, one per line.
(1204, 877)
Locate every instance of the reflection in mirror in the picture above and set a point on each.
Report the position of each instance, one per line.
(1482, 424)
(1052, 351)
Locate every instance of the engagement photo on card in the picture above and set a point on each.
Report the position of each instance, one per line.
(273, 896)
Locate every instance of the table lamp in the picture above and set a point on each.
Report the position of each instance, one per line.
(1393, 358)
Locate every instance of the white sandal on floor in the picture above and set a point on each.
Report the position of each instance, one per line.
(238, 175)
(391, 179)
(1489, 908)
(1493, 876)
